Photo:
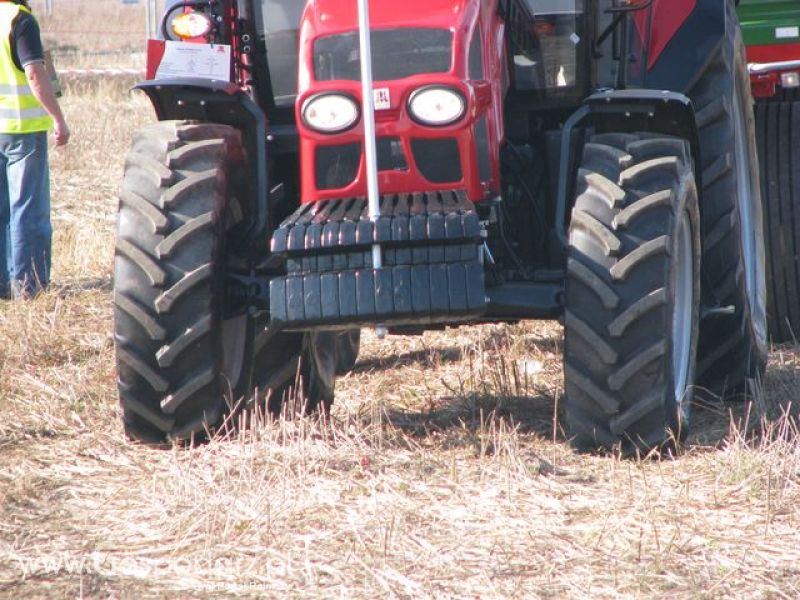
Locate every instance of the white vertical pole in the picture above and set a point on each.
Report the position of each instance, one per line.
(148, 21)
(370, 154)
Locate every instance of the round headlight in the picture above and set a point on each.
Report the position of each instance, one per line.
(437, 106)
(330, 113)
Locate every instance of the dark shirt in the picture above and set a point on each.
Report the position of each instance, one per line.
(26, 42)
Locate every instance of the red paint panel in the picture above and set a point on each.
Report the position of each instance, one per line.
(773, 53)
(155, 52)
(765, 85)
(667, 17)
(332, 16)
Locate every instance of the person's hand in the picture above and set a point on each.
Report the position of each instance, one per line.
(61, 133)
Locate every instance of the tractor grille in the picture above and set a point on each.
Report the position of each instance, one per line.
(438, 159)
(336, 166)
(390, 155)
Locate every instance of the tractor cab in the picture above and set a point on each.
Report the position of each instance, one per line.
(552, 64)
(279, 22)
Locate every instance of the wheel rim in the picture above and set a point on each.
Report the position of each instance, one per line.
(755, 281)
(234, 332)
(684, 308)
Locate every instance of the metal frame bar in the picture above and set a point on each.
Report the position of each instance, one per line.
(368, 114)
(761, 68)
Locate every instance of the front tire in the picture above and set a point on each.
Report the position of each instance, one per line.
(632, 294)
(182, 366)
(168, 276)
(294, 370)
(348, 345)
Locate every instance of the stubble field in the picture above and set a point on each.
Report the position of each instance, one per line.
(443, 472)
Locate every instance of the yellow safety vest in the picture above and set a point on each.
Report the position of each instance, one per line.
(20, 111)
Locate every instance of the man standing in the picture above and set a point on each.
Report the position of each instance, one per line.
(28, 110)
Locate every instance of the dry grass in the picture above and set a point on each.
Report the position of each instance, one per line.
(93, 33)
(442, 473)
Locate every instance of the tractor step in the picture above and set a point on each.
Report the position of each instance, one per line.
(432, 270)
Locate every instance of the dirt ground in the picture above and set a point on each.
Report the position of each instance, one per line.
(443, 471)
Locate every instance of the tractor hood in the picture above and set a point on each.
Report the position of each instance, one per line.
(418, 47)
(411, 37)
(336, 16)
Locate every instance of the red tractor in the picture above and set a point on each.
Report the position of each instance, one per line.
(592, 162)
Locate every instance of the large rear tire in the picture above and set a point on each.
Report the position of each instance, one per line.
(347, 346)
(778, 135)
(732, 347)
(632, 294)
(294, 369)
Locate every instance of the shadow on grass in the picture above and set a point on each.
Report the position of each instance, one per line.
(460, 418)
(769, 414)
(426, 358)
(494, 342)
(764, 413)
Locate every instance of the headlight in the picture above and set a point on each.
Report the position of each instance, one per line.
(330, 113)
(191, 25)
(437, 106)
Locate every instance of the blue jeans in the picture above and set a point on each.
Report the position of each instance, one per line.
(25, 230)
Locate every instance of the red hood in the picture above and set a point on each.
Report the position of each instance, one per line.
(336, 16)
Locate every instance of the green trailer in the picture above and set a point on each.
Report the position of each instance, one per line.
(771, 30)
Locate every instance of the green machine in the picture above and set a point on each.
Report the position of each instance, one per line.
(771, 30)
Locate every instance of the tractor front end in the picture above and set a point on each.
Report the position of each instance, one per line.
(491, 161)
(438, 126)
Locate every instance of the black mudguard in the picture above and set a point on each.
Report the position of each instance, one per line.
(622, 111)
(644, 110)
(223, 102)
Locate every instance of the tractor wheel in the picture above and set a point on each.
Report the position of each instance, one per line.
(347, 347)
(632, 294)
(294, 368)
(778, 134)
(180, 363)
(168, 277)
(732, 347)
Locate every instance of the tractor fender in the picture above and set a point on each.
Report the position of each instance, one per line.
(642, 110)
(223, 102)
(619, 111)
